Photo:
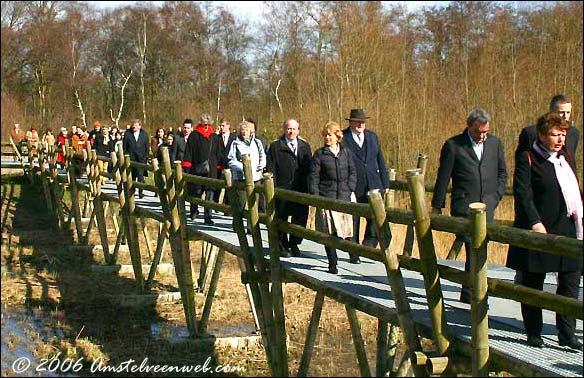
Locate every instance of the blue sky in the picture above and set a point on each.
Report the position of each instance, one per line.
(249, 9)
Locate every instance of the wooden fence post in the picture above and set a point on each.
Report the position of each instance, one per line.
(179, 214)
(117, 169)
(428, 262)
(276, 275)
(358, 341)
(99, 211)
(167, 194)
(75, 210)
(410, 237)
(43, 176)
(479, 302)
(260, 265)
(391, 263)
(211, 291)
(54, 189)
(245, 263)
(390, 195)
(311, 334)
(130, 219)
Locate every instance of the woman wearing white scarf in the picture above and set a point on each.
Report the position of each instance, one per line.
(547, 200)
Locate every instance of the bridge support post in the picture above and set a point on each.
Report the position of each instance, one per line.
(43, 177)
(244, 261)
(116, 166)
(54, 188)
(311, 334)
(74, 191)
(169, 201)
(410, 236)
(211, 292)
(276, 275)
(259, 266)
(479, 304)
(428, 262)
(358, 341)
(381, 367)
(391, 263)
(130, 219)
(98, 208)
(160, 243)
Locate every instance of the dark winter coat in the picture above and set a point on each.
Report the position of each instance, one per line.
(202, 146)
(369, 163)
(473, 180)
(290, 171)
(333, 176)
(538, 198)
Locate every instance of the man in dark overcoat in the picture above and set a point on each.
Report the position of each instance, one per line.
(137, 144)
(476, 163)
(370, 166)
(200, 159)
(226, 137)
(289, 160)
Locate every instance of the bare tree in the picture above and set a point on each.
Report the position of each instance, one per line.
(116, 120)
(141, 52)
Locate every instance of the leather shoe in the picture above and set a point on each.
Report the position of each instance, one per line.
(333, 269)
(571, 343)
(372, 242)
(209, 221)
(535, 341)
(355, 260)
(295, 251)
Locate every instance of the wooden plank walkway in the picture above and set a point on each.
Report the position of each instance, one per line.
(368, 283)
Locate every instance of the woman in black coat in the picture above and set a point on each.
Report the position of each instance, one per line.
(172, 150)
(547, 200)
(333, 175)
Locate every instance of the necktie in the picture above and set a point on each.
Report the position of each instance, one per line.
(293, 147)
(360, 136)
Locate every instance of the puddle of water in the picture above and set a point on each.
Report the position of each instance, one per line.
(20, 331)
(174, 331)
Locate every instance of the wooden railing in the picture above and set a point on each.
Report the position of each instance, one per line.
(258, 272)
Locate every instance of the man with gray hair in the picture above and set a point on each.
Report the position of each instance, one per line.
(475, 162)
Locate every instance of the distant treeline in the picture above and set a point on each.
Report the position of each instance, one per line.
(417, 74)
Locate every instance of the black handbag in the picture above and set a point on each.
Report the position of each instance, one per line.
(201, 168)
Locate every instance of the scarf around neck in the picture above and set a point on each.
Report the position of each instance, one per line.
(201, 130)
(568, 184)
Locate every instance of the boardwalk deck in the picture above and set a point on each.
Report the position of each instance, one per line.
(368, 282)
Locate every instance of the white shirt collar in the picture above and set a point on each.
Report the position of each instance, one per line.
(359, 139)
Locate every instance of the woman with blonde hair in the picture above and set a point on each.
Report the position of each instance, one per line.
(333, 175)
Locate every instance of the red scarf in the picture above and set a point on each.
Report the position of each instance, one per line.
(201, 130)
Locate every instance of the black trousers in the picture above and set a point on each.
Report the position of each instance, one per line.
(369, 236)
(138, 174)
(198, 192)
(568, 283)
(299, 214)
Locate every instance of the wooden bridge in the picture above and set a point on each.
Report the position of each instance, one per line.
(417, 296)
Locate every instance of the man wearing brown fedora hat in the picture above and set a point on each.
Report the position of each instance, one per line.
(371, 169)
